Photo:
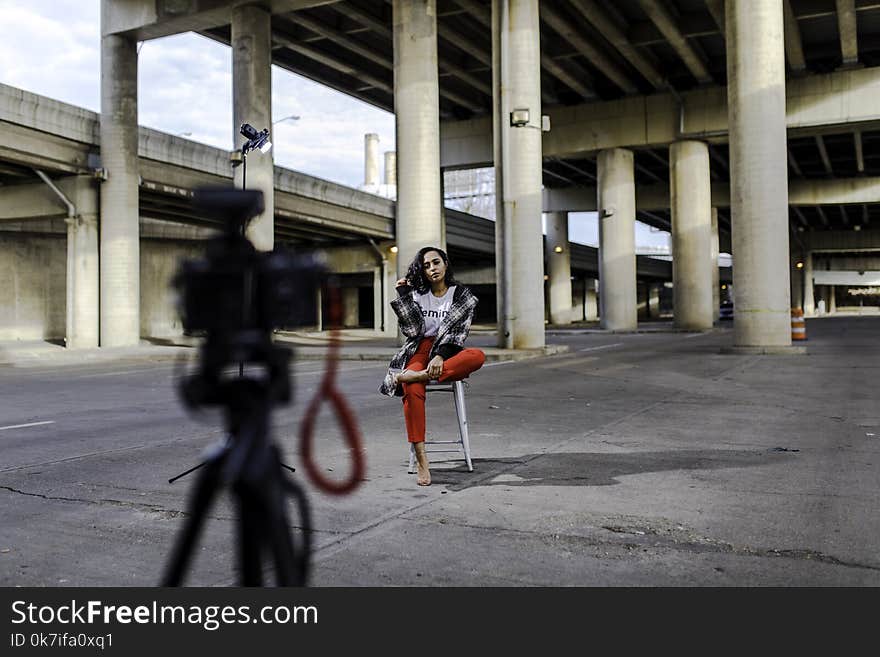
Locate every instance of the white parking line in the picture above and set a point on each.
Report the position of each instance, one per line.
(499, 362)
(604, 346)
(22, 426)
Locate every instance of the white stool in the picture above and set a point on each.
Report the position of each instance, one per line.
(462, 444)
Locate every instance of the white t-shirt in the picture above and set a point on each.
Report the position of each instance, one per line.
(434, 309)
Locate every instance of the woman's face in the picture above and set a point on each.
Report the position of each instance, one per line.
(434, 267)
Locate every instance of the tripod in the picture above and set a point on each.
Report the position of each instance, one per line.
(249, 464)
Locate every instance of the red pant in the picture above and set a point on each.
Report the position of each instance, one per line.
(454, 369)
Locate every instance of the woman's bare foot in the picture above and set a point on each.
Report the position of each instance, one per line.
(412, 376)
(424, 474)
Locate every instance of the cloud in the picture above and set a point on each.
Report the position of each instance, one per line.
(185, 86)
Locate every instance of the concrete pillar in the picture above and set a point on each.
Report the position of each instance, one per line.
(350, 307)
(758, 173)
(591, 301)
(714, 252)
(654, 300)
(371, 159)
(252, 103)
(120, 245)
(83, 284)
(797, 287)
(558, 258)
(578, 294)
(809, 299)
(832, 299)
(691, 203)
(617, 248)
(390, 168)
(417, 115)
(518, 173)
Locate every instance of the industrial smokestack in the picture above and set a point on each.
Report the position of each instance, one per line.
(391, 167)
(371, 162)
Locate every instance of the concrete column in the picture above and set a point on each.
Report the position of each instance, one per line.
(558, 258)
(83, 284)
(591, 301)
(252, 103)
(797, 288)
(390, 168)
(832, 299)
(371, 159)
(417, 115)
(809, 299)
(758, 173)
(350, 307)
(654, 300)
(578, 293)
(120, 239)
(518, 173)
(691, 203)
(617, 248)
(714, 251)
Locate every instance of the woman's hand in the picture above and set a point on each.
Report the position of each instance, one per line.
(435, 367)
(402, 281)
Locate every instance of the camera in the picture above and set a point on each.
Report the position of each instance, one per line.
(237, 288)
(256, 139)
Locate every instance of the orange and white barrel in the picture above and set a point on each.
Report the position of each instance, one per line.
(798, 325)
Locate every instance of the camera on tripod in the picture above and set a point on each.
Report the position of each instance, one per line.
(236, 296)
(237, 288)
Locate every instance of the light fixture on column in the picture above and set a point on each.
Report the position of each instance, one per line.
(800, 265)
(393, 249)
(557, 249)
(519, 118)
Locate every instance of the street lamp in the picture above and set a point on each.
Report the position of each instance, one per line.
(292, 117)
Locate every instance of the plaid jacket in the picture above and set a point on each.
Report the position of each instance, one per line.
(453, 330)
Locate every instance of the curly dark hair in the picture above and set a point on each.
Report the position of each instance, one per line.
(415, 274)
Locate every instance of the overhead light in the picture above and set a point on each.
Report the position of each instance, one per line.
(857, 228)
(800, 265)
(393, 249)
(546, 277)
(723, 287)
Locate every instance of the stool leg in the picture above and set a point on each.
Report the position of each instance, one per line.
(461, 412)
(412, 459)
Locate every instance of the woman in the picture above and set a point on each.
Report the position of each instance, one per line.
(435, 314)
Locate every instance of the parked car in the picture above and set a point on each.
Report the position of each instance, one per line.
(726, 310)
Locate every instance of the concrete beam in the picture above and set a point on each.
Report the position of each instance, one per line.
(839, 191)
(150, 20)
(846, 25)
(842, 240)
(794, 49)
(667, 24)
(815, 104)
(596, 14)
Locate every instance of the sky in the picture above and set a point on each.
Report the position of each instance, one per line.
(52, 48)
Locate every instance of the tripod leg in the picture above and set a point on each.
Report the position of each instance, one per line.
(200, 502)
(303, 562)
(251, 536)
(287, 571)
(186, 472)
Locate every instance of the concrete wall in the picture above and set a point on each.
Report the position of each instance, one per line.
(33, 296)
(160, 260)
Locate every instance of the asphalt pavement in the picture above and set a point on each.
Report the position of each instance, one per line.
(645, 459)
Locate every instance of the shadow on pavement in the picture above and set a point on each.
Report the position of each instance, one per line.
(593, 468)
